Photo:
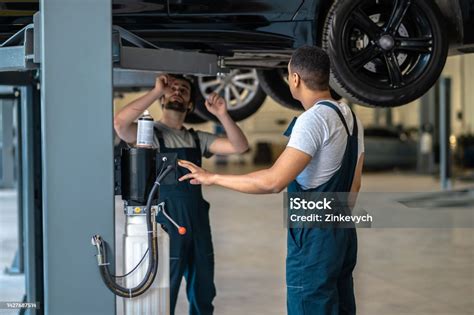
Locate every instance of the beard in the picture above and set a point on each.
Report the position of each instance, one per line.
(176, 106)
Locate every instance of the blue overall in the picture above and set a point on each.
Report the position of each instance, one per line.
(191, 255)
(320, 261)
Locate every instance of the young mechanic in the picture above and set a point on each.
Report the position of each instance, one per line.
(191, 255)
(324, 154)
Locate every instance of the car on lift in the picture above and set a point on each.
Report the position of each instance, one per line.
(384, 53)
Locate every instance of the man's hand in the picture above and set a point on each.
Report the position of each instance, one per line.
(163, 85)
(216, 105)
(198, 176)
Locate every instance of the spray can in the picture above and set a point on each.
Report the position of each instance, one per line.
(145, 131)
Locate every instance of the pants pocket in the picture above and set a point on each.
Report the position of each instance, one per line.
(296, 236)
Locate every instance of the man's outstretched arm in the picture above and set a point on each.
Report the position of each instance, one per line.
(272, 180)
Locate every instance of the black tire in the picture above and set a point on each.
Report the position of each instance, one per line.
(194, 118)
(237, 112)
(274, 84)
(279, 91)
(386, 79)
(334, 94)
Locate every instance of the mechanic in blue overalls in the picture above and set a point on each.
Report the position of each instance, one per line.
(324, 154)
(191, 255)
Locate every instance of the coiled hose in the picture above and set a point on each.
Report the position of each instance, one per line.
(152, 269)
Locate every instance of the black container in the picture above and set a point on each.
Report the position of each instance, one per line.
(138, 174)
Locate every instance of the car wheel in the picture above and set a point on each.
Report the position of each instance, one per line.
(384, 53)
(274, 83)
(239, 87)
(193, 118)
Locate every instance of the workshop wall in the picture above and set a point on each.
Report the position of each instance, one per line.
(461, 71)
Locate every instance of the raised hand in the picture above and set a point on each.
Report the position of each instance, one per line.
(163, 84)
(216, 105)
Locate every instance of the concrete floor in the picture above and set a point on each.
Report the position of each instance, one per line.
(399, 271)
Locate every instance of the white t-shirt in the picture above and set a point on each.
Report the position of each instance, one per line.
(320, 133)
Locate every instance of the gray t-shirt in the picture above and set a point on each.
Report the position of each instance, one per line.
(183, 138)
(320, 133)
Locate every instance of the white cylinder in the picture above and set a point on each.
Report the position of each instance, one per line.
(156, 300)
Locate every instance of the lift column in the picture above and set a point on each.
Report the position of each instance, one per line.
(77, 152)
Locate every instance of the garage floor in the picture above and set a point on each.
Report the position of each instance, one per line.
(400, 271)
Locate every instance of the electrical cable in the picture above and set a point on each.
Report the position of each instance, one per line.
(147, 250)
(152, 269)
(134, 268)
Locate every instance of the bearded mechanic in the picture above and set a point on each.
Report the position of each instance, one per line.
(324, 154)
(191, 255)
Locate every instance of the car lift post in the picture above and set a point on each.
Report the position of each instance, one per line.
(30, 192)
(10, 152)
(427, 114)
(445, 160)
(77, 151)
(7, 158)
(66, 65)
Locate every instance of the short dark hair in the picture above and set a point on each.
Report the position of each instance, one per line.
(313, 66)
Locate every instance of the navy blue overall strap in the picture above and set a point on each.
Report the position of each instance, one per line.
(159, 135)
(193, 133)
(355, 128)
(196, 139)
(338, 112)
(289, 129)
(294, 185)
